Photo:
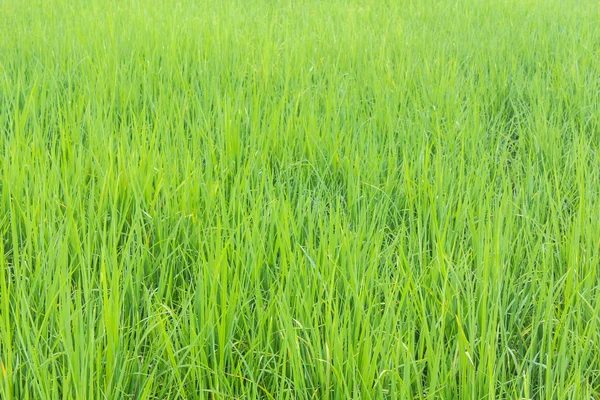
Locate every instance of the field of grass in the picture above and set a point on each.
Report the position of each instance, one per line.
(300, 199)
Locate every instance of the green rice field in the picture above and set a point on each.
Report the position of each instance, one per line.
(307, 199)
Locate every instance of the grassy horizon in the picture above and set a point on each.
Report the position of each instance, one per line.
(299, 199)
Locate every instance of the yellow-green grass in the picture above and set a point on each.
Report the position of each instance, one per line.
(299, 199)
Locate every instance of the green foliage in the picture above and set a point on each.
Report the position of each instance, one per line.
(299, 199)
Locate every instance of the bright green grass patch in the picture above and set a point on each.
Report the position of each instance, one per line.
(299, 199)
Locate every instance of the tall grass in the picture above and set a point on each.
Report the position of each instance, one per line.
(299, 199)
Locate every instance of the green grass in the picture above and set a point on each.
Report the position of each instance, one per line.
(299, 199)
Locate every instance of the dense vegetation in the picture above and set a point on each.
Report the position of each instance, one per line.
(299, 199)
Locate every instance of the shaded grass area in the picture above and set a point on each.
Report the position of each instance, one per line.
(302, 199)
